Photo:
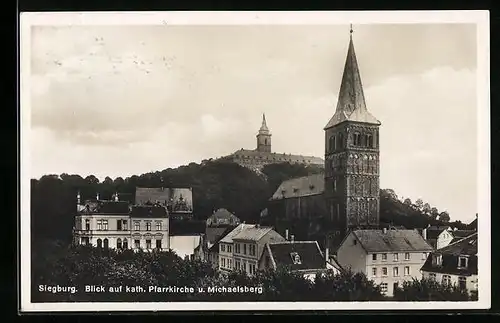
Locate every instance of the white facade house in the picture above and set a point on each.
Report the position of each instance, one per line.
(455, 264)
(119, 225)
(387, 257)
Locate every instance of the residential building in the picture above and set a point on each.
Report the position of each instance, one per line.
(211, 236)
(438, 236)
(222, 217)
(388, 257)
(248, 246)
(454, 264)
(304, 257)
(225, 247)
(350, 187)
(255, 159)
(178, 201)
(117, 224)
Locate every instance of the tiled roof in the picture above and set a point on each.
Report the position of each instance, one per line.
(253, 234)
(351, 99)
(450, 255)
(301, 186)
(215, 246)
(212, 234)
(228, 238)
(222, 216)
(277, 157)
(391, 240)
(309, 253)
(434, 233)
(149, 211)
(106, 207)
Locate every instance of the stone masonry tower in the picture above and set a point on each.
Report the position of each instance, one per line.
(352, 156)
(264, 137)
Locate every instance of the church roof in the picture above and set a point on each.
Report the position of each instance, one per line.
(301, 186)
(263, 128)
(351, 105)
(277, 157)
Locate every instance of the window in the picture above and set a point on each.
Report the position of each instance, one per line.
(99, 224)
(137, 226)
(118, 243)
(432, 276)
(125, 225)
(125, 244)
(85, 241)
(383, 288)
(229, 248)
(335, 185)
(158, 226)
(341, 140)
(424, 256)
(462, 262)
(105, 225)
(119, 225)
(407, 256)
(395, 257)
(158, 244)
(369, 141)
(332, 143)
(251, 269)
(374, 272)
(87, 225)
(244, 248)
(148, 226)
(148, 244)
(384, 271)
(223, 247)
(462, 283)
(106, 243)
(354, 242)
(237, 248)
(446, 279)
(237, 264)
(384, 257)
(223, 260)
(99, 243)
(437, 260)
(407, 271)
(395, 271)
(374, 257)
(137, 244)
(295, 258)
(357, 139)
(252, 250)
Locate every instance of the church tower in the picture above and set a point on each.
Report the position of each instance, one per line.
(264, 137)
(352, 156)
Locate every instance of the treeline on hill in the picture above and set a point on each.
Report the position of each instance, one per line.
(138, 273)
(215, 185)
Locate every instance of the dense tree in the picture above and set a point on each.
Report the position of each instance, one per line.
(426, 209)
(407, 201)
(434, 213)
(419, 204)
(444, 216)
(429, 290)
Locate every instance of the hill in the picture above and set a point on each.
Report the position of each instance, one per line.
(216, 184)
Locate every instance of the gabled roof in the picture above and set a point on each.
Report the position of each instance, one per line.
(462, 233)
(282, 255)
(252, 234)
(106, 207)
(228, 238)
(433, 232)
(215, 246)
(450, 255)
(351, 105)
(301, 186)
(391, 240)
(213, 234)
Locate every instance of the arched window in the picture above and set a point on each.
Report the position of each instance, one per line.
(106, 243)
(265, 141)
(125, 243)
(118, 243)
(332, 143)
(357, 139)
(369, 141)
(99, 243)
(341, 140)
(87, 225)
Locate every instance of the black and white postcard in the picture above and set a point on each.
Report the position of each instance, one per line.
(180, 161)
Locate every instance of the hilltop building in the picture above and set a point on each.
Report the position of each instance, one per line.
(119, 225)
(257, 158)
(347, 196)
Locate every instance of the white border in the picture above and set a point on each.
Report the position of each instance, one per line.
(480, 18)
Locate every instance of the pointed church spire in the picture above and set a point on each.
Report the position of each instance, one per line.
(351, 103)
(263, 127)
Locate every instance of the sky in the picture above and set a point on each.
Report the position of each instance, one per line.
(126, 100)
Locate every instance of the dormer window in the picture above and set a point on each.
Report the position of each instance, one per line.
(295, 258)
(462, 262)
(437, 260)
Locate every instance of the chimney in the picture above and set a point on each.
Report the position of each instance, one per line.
(424, 233)
(327, 254)
(292, 238)
(78, 198)
(384, 230)
(286, 234)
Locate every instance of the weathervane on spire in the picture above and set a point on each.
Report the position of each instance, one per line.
(350, 31)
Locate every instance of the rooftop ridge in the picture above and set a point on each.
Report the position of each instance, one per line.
(456, 242)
